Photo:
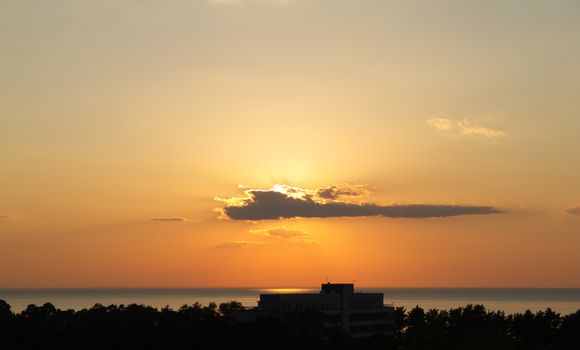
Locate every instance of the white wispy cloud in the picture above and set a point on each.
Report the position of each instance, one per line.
(441, 124)
(477, 130)
(464, 128)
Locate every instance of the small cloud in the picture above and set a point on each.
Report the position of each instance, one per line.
(237, 244)
(464, 128)
(341, 191)
(574, 211)
(281, 232)
(293, 235)
(476, 130)
(283, 202)
(3, 216)
(169, 219)
(441, 124)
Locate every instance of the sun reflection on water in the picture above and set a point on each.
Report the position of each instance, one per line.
(286, 290)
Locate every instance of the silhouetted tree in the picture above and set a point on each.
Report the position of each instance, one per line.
(416, 318)
(569, 332)
(5, 311)
(226, 308)
(400, 319)
(437, 320)
(539, 330)
(209, 327)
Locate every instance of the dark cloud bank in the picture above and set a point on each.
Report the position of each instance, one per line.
(270, 204)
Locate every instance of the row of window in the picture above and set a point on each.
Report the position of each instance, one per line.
(359, 305)
(371, 317)
(330, 306)
(291, 306)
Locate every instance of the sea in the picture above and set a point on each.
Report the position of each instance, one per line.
(509, 300)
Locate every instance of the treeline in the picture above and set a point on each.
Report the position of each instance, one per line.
(210, 327)
(474, 327)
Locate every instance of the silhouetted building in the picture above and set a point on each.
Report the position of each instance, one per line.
(338, 306)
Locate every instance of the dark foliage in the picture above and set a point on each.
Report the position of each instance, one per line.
(212, 327)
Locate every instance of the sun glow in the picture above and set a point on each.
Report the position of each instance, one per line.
(286, 290)
(279, 188)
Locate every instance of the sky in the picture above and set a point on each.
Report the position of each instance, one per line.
(281, 143)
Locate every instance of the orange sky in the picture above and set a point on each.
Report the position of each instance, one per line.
(125, 125)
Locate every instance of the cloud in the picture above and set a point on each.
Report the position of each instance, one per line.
(468, 130)
(441, 124)
(236, 244)
(169, 219)
(341, 191)
(464, 128)
(3, 217)
(574, 211)
(283, 201)
(281, 232)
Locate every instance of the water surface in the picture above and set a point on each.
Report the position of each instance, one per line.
(510, 300)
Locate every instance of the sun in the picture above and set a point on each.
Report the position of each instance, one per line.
(280, 188)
